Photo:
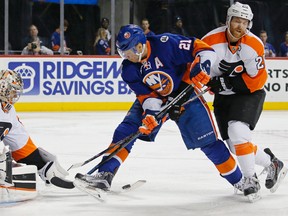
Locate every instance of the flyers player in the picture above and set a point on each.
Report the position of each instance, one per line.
(18, 180)
(157, 68)
(238, 78)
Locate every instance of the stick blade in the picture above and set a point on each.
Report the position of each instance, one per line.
(62, 183)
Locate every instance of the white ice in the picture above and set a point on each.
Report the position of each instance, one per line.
(179, 182)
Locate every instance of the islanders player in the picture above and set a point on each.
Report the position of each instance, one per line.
(18, 146)
(157, 68)
(238, 78)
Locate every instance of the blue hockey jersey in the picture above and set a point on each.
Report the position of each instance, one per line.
(166, 65)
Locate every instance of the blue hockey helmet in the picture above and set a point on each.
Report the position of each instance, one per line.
(129, 36)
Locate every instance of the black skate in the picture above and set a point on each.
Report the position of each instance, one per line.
(95, 185)
(276, 172)
(251, 188)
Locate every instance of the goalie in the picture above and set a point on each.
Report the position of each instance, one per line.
(21, 159)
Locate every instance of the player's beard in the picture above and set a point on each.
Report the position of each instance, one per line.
(237, 34)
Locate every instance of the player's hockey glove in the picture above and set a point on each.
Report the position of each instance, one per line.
(177, 109)
(219, 83)
(149, 122)
(199, 72)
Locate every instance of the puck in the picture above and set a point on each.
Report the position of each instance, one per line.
(125, 187)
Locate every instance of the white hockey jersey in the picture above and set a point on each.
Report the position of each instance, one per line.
(248, 53)
(14, 135)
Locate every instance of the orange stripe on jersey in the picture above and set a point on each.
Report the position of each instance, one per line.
(227, 166)
(141, 98)
(244, 149)
(257, 82)
(199, 45)
(216, 38)
(203, 101)
(26, 150)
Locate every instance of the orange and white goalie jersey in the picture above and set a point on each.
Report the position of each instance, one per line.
(244, 58)
(14, 135)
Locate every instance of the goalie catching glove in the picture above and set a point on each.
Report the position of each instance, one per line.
(199, 72)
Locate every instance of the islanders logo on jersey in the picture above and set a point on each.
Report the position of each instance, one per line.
(160, 82)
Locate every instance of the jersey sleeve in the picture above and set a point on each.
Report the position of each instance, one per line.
(185, 49)
(254, 62)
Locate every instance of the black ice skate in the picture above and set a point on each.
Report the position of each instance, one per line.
(251, 188)
(95, 185)
(276, 172)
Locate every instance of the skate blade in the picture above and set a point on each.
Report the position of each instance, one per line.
(237, 191)
(282, 175)
(254, 197)
(99, 194)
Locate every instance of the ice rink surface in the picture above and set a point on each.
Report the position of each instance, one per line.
(179, 182)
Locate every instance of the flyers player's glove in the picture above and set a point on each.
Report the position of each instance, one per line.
(219, 84)
(149, 122)
(199, 72)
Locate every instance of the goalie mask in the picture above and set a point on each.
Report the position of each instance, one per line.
(11, 87)
(240, 10)
(128, 38)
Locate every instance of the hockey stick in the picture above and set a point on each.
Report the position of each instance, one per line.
(76, 165)
(124, 142)
(134, 135)
(196, 96)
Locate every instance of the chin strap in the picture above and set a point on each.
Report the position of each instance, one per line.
(140, 54)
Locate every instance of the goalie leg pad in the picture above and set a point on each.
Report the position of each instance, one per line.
(6, 167)
(24, 185)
